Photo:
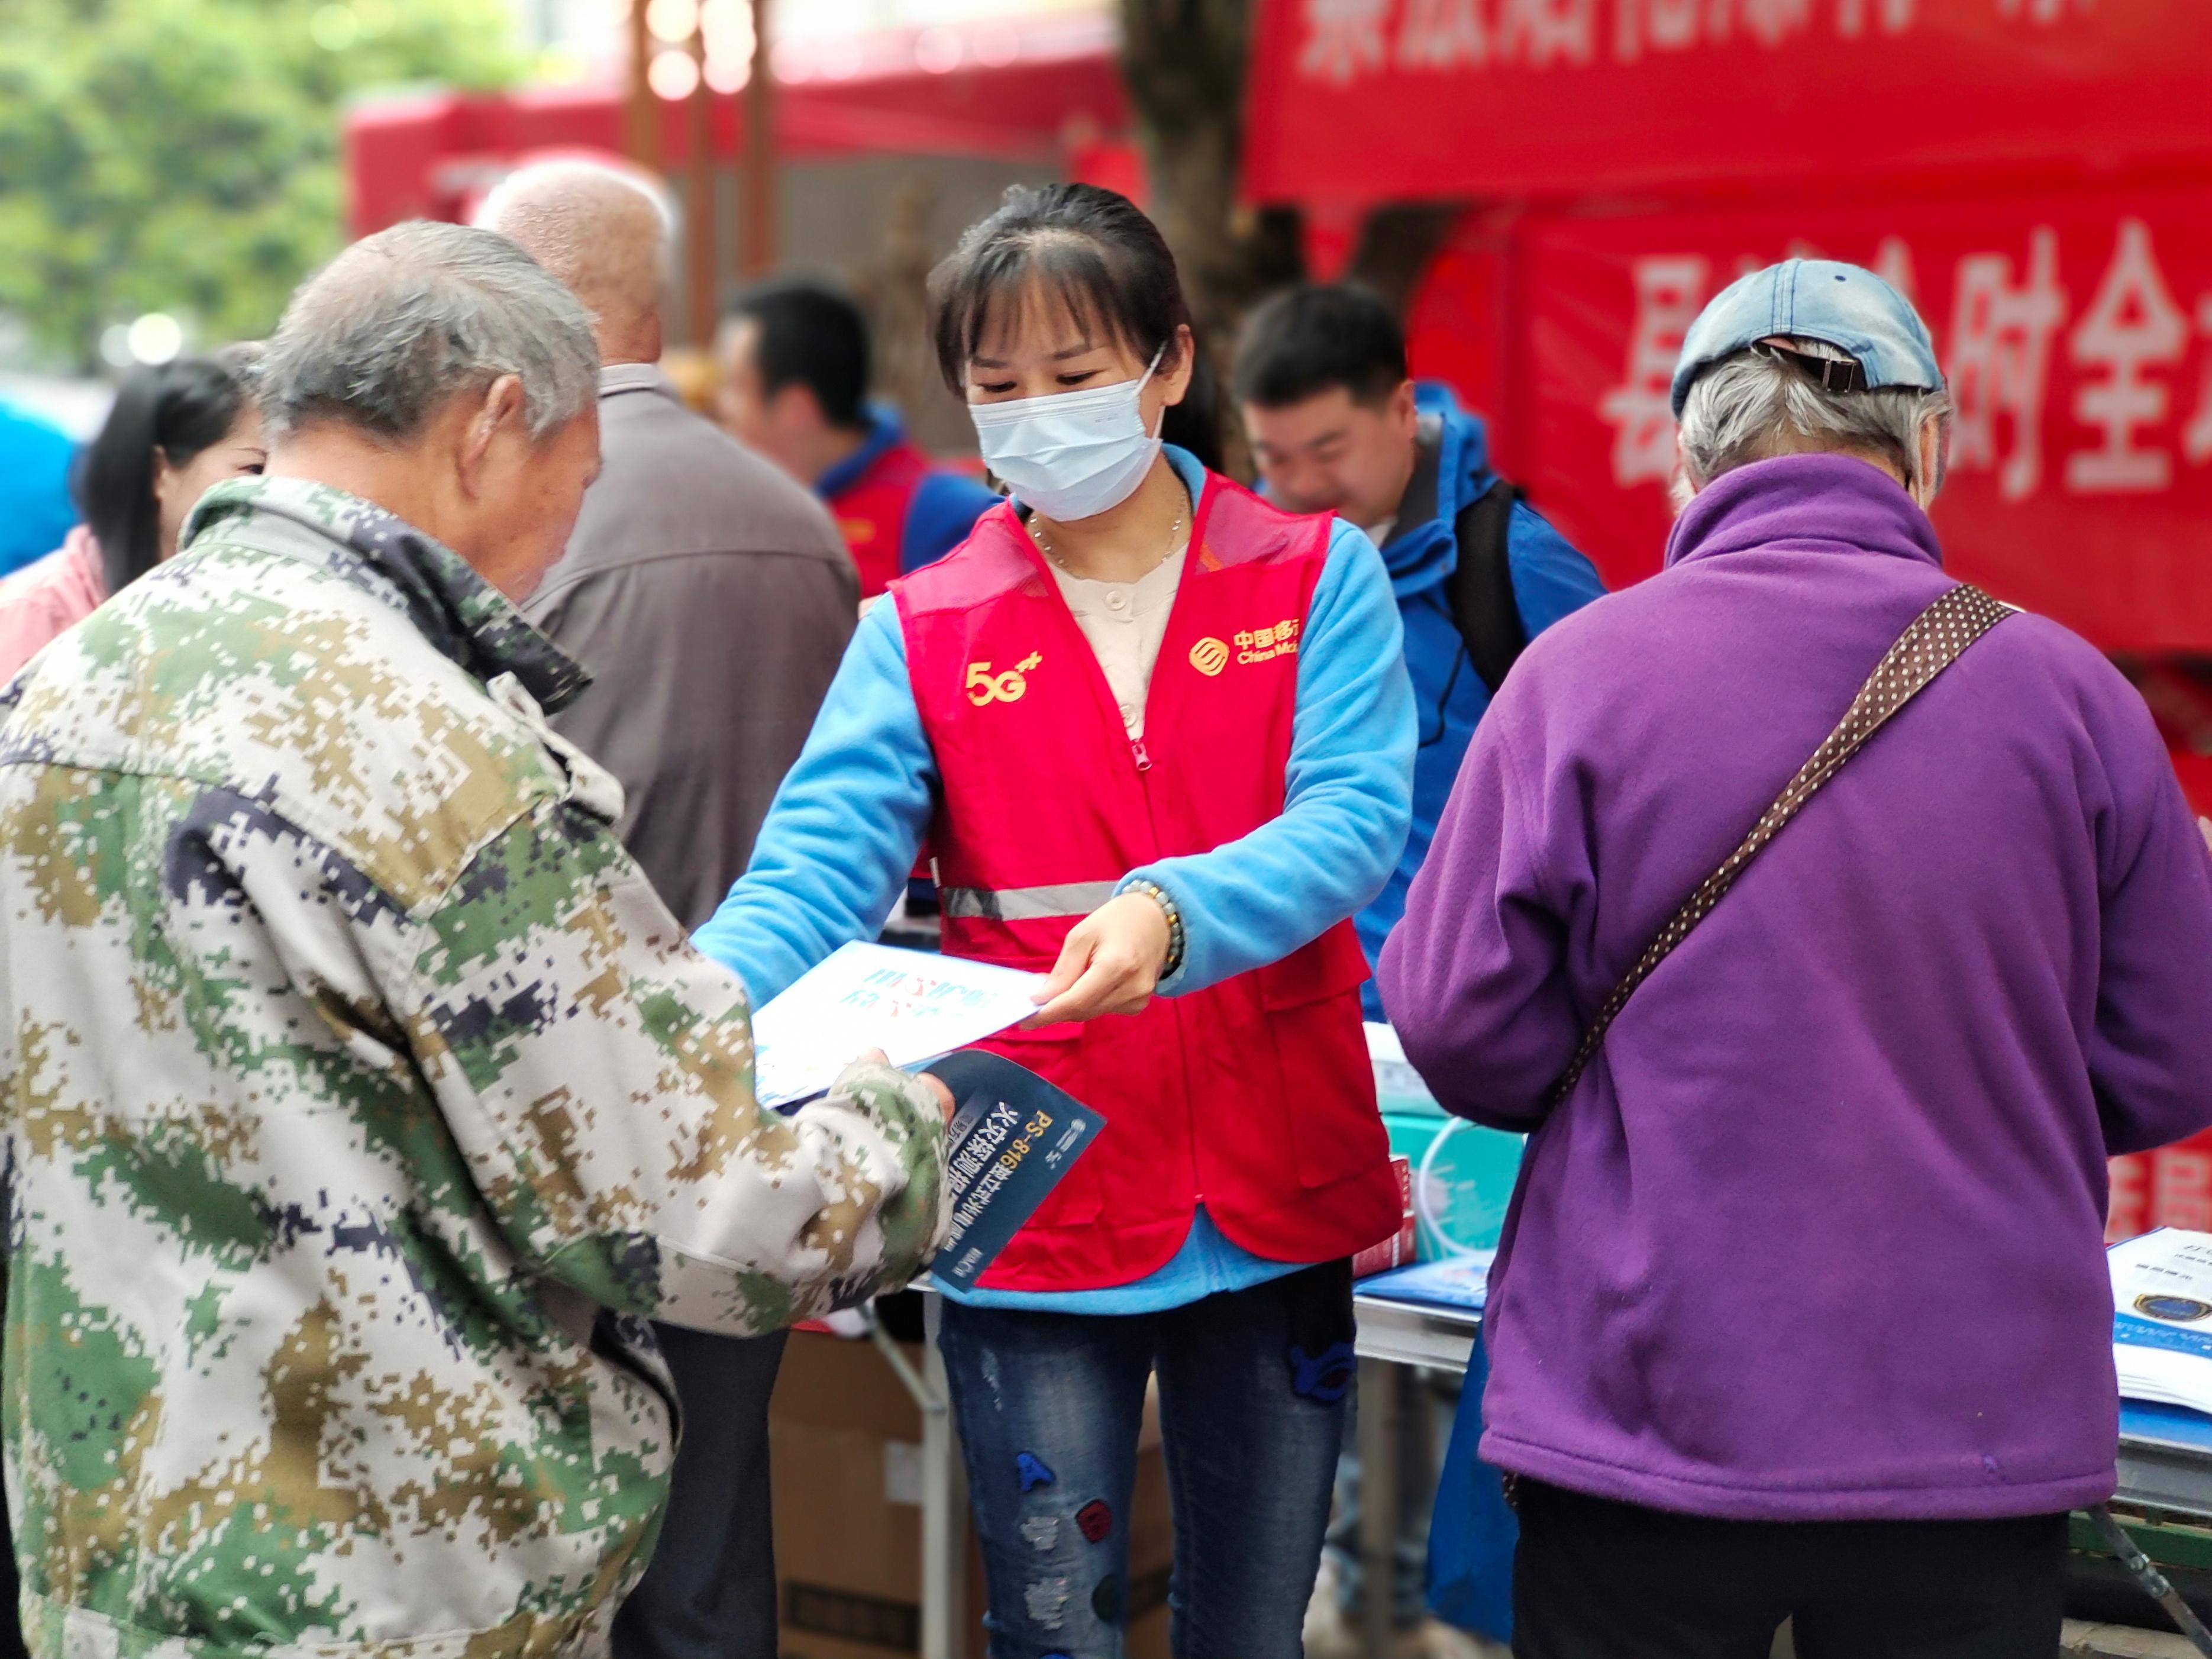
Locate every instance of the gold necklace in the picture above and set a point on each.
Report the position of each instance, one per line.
(1037, 530)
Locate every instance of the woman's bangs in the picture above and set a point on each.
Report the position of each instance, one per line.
(1057, 279)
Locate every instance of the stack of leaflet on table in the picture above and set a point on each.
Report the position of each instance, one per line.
(2163, 1318)
(1457, 1281)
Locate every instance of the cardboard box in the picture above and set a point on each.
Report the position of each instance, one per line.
(1397, 1250)
(846, 1441)
(2169, 1188)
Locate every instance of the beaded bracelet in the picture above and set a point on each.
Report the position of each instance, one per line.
(1176, 940)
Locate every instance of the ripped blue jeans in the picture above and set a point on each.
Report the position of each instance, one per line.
(1252, 1389)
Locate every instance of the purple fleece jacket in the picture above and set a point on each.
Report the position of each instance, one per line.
(1818, 1236)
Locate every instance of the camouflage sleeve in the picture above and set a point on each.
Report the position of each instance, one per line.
(598, 1074)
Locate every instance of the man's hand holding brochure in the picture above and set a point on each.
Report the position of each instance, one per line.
(1013, 1134)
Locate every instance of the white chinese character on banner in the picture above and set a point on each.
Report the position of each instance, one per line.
(2196, 442)
(2131, 324)
(1999, 361)
(1539, 31)
(1773, 22)
(1892, 263)
(1895, 16)
(1440, 34)
(1344, 39)
(1670, 291)
(2181, 1190)
(1768, 21)
(2040, 11)
(1668, 25)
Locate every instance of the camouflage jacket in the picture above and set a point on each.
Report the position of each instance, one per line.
(359, 1094)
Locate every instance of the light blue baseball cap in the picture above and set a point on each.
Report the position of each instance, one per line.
(1847, 307)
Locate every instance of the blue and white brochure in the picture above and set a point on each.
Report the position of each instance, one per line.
(1014, 1137)
(2162, 1317)
(1457, 1281)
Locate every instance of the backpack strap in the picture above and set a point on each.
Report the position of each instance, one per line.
(1936, 639)
(1480, 589)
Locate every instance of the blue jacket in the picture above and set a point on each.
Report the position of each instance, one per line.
(1550, 581)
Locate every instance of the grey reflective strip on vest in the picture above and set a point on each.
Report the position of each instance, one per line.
(1073, 898)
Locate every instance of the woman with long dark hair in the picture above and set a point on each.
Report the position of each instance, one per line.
(1158, 738)
(175, 429)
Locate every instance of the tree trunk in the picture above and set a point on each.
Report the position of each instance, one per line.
(1183, 61)
(1397, 243)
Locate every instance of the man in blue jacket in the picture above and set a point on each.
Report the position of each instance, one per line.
(795, 366)
(1337, 425)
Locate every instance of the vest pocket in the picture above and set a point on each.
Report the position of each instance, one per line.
(1327, 1087)
(1055, 1053)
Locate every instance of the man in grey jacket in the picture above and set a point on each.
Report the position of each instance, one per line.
(712, 597)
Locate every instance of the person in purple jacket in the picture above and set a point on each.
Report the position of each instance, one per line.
(1802, 1308)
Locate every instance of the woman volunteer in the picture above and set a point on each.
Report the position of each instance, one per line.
(1158, 738)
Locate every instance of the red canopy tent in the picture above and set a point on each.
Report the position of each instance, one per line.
(2038, 173)
(1016, 91)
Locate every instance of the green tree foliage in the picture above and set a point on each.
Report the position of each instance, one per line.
(183, 156)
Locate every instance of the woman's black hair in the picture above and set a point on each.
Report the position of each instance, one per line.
(1096, 253)
(178, 408)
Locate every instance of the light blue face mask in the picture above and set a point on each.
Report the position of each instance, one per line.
(1071, 454)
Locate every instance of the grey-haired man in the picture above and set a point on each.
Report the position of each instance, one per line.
(359, 1095)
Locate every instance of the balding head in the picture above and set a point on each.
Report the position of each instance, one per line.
(604, 232)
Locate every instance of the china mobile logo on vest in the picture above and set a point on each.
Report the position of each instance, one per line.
(985, 688)
(1210, 656)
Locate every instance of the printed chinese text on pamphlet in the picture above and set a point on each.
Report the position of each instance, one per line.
(911, 1005)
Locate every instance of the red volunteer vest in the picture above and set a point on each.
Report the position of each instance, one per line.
(871, 513)
(1255, 1096)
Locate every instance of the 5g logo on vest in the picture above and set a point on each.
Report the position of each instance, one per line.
(985, 688)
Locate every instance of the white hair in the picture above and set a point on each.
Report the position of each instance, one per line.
(526, 188)
(402, 320)
(1751, 406)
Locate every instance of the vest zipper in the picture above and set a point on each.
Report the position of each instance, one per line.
(1144, 760)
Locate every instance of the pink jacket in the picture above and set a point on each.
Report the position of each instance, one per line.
(41, 600)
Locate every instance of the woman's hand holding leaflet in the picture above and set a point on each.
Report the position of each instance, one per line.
(1110, 965)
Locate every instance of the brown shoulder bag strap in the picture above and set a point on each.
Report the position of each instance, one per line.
(1937, 637)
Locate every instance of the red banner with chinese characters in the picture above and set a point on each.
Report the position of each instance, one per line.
(1365, 100)
(2075, 328)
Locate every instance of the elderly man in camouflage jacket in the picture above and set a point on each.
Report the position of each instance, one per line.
(361, 1096)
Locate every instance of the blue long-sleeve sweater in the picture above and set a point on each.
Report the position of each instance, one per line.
(850, 818)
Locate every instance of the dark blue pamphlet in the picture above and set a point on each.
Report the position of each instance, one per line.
(1014, 1136)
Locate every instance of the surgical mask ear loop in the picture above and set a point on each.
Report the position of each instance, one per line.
(1145, 380)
